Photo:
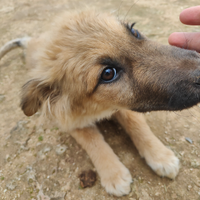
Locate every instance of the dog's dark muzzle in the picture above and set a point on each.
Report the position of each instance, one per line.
(177, 90)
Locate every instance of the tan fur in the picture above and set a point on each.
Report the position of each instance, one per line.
(161, 159)
(66, 65)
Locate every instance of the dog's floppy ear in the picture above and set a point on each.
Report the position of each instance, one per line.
(34, 93)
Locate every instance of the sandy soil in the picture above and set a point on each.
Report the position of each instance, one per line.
(43, 163)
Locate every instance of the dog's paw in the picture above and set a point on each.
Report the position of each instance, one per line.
(117, 180)
(163, 162)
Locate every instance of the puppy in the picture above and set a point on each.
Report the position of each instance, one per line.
(91, 66)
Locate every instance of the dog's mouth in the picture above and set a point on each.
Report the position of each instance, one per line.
(182, 101)
(174, 104)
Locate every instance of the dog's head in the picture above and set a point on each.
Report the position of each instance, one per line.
(91, 63)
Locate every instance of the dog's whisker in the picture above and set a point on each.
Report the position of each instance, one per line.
(129, 10)
(118, 10)
(194, 116)
(186, 116)
(177, 114)
(180, 114)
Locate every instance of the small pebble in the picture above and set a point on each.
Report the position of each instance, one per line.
(60, 149)
(157, 194)
(66, 187)
(189, 187)
(2, 98)
(46, 149)
(195, 164)
(188, 140)
(11, 185)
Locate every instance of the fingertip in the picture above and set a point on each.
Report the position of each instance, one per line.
(183, 17)
(185, 40)
(190, 16)
(174, 39)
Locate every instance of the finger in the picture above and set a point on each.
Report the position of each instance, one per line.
(185, 40)
(191, 16)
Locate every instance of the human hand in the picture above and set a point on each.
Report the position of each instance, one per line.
(189, 16)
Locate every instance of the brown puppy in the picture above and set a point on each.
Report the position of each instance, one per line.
(90, 66)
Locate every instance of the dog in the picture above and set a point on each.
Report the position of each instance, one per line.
(90, 66)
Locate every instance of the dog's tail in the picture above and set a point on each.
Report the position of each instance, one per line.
(19, 42)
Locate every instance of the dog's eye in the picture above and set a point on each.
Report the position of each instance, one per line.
(108, 74)
(135, 32)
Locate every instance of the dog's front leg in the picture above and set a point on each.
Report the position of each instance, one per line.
(115, 177)
(161, 159)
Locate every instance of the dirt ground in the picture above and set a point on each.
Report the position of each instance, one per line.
(40, 162)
